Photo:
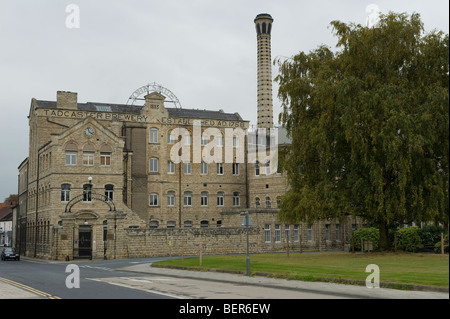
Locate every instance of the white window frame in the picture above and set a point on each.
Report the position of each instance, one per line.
(187, 167)
(170, 167)
(187, 198)
(71, 158)
(277, 233)
(220, 199)
(154, 165)
(219, 168)
(236, 199)
(267, 233)
(204, 168)
(236, 169)
(171, 198)
(153, 200)
(204, 199)
(88, 158)
(154, 136)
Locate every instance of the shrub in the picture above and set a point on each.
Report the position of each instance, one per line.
(367, 234)
(437, 246)
(408, 239)
(430, 235)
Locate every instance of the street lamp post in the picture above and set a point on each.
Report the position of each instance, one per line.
(247, 222)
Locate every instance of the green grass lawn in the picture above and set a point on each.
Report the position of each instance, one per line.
(398, 268)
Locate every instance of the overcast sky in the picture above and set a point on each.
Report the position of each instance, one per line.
(204, 51)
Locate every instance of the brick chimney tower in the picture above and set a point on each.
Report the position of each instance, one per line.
(263, 24)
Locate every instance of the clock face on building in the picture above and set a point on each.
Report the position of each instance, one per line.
(89, 131)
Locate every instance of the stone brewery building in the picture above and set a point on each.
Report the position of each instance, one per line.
(120, 181)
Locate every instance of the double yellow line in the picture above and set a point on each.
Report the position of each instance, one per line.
(35, 291)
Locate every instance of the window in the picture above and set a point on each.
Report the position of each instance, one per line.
(105, 231)
(278, 201)
(154, 134)
(171, 224)
(309, 232)
(71, 158)
(88, 155)
(105, 155)
(327, 232)
(87, 193)
(219, 223)
(204, 224)
(220, 199)
(154, 224)
(171, 139)
(187, 140)
(267, 168)
(256, 168)
(109, 192)
(154, 165)
(205, 140)
(204, 198)
(204, 168)
(105, 159)
(236, 199)
(171, 198)
(235, 168)
(65, 192)
(219, 168)
(187, 198)
(278, 233)
(88, 158)
(71, 154)
(257, 202)
(338, 232)
(267, 233)
(170, 167)
(296, 234)
(287, 232)
(187, 224)
(235, 142)
(187, 167)
(268, 202)
(153, 199)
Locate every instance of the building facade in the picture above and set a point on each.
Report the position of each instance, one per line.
(106, 180)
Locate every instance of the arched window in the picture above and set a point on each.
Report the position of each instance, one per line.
(268, 202)
(109, 192)
(257, 202)
(204, 224)
(154, 134)
(171, 198)
(187, 198)
(236, 199)
(154, 164)
(264, 27)
(87, 193)
(153, 199)
(204, 199)
(220, 199)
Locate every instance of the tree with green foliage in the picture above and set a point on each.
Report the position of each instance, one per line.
(369, 126)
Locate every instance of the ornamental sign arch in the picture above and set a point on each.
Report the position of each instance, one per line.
(92, 196)
(153, 87)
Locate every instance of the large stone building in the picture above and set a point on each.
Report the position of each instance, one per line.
(114, 181)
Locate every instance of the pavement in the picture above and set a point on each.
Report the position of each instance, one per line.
(8, 290)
